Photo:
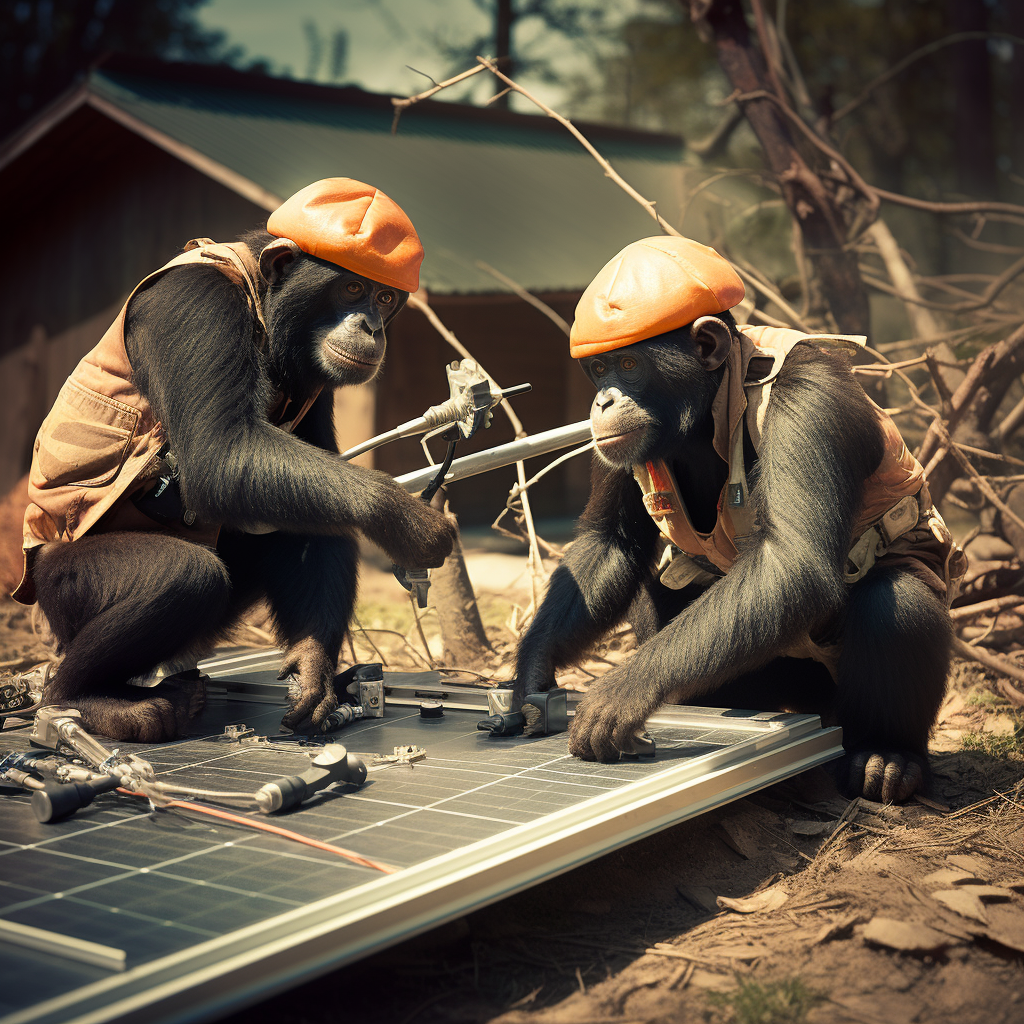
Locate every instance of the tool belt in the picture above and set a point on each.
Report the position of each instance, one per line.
(911, 535)
(873, 543)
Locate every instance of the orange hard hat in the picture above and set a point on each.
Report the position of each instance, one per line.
(355, 226)
(652, 286)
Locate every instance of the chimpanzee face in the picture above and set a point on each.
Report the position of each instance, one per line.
(649, 394)
(327, 322)
(351, 314)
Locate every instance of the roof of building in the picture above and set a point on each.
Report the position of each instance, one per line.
(480, 184)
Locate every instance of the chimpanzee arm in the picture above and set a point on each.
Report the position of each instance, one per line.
(821, 441)
(190, 340)
(592, 588)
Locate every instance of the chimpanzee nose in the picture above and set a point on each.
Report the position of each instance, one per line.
(606, 397)
(371, 326)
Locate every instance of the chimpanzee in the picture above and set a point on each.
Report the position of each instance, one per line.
(799, 527)
(187, 467)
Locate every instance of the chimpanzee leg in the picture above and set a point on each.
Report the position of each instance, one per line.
(119, 604)
(897, 643)
(785, 684)
(310, 583)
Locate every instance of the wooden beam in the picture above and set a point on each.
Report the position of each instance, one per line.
(245, 187)
(43, 123)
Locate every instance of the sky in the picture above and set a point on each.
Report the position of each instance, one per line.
(384, 37)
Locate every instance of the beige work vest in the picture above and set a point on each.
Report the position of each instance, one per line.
(99, 443)
(742, 399)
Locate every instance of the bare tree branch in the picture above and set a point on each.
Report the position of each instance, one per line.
(417, 301)
(921, 320)
(610, 171)
(714, 144)
(987, 298)
(870, 193)
(993, 661)
(403, 104)
(951, 208)
(984, 607)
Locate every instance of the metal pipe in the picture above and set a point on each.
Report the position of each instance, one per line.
(417, 426)
(504, 455)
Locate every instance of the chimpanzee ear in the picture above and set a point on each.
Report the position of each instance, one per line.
(277, 258)
(714, 340)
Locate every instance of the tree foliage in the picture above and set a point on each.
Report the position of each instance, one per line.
(46, 45)
(950, 122)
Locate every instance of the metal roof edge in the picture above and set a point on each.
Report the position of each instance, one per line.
(82, 95)
(244, 186)
(225, 77)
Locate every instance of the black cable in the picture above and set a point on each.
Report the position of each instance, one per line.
(438, 479)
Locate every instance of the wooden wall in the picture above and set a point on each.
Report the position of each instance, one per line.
(80, 234)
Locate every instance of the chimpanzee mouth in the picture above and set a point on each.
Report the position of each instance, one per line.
(619, 448)
(346, 359)
(608, 440)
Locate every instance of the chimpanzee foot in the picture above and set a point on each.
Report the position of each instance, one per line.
(885, 777)
(155, 715)
(189, 689)
(312, 692)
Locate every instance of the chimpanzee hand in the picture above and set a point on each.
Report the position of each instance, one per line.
(413, 533)
(312, 695)
(432, 535)
(533, 675)
(610, 717)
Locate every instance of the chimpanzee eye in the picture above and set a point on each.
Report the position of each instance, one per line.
(354, 288)
(597, 368)
(627, 363)
(385, 298)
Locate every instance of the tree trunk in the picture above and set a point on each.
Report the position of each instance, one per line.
(462, 631)
(1014, 24)
(974, 145)
(503, 18)
(813, 207)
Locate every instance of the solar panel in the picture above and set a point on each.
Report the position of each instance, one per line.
(123, 914)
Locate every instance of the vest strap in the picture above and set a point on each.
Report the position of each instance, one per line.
(306, 406)
(737, 494)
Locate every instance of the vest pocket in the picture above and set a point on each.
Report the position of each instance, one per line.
(85, 438)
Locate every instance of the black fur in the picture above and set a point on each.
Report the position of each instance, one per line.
(122, 602)
(722, 644)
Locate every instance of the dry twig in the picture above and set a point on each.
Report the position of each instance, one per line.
(916, 55)
(401, 105)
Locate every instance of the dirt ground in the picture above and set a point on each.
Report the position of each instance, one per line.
(844, 911)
